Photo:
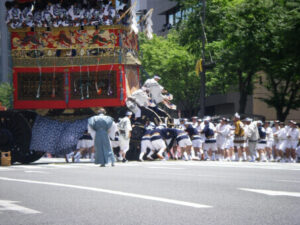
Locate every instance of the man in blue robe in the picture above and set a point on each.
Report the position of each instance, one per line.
(103, 151)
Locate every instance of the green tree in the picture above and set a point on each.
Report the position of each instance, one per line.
(281, 60)
(244, 36)
(236, 34)
(175, 65)
(6, 94)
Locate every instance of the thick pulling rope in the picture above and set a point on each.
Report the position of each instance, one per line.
(39, 67)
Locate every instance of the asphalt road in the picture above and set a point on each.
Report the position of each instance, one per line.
(155, 193)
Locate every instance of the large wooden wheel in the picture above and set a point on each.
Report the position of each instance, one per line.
(15, 135)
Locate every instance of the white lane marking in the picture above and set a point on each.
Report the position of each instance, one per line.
(289, 181)
(146, 197)
(168, 168)
(5, 169)
(272, 193)
(6, 205)
(61, 165)
(194, 175)
(31, 171)
(26, 167)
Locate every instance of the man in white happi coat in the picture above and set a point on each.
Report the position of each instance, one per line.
(210, 145)
(270, 141)
(222, 132)
(157, 91)
(275, 147)
(125, 133)
(292, 141)
(137, 99)
(252, 136)
(195, 122)
(146, 142)
(281, 134)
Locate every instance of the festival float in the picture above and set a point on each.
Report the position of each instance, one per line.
(62, 74)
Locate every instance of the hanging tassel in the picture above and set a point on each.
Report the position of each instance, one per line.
(199, 67)
(53, 83)
(81, 86)
(40, 83)
(87, 84)
(98, 91)
(132, 19)
(148, 24)
(53, 87)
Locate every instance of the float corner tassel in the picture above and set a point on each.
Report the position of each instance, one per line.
(199, 67)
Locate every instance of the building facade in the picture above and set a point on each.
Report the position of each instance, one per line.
(5, 58)
(163, 14)
(228, 104)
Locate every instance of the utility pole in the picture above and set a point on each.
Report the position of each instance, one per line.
(203, 77)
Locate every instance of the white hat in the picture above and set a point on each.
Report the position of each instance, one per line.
(162, 126)
(236, 115)
(157, 77)
(152, 124)
(128, 113)
(207, 118)
(259, 122)
(248, 119)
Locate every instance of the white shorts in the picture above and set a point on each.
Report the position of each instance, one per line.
(229, 143)
(124, 143)
(185, 142)
(240, 145)
(292, 144)
(270, 144)
(197, 143)
(261, 146)
(158, 144)
(146, 144)
(115, 144)
(275, 143)
(282, 145)
(221, 144)
(210, 146)
(85, 144)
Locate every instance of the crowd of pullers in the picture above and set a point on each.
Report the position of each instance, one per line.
(226, 140)
(64, 13)
(237, 140)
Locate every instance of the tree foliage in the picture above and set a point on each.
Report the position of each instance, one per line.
(281, 60)
(6, 94)
(244, 37)
(165, 57)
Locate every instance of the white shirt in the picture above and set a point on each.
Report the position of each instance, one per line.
(223, 131)
(252, 132)
(293, 134)
(270, 136)
(125, 126)
(282, 133)
(155, 90)
(140, 97)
